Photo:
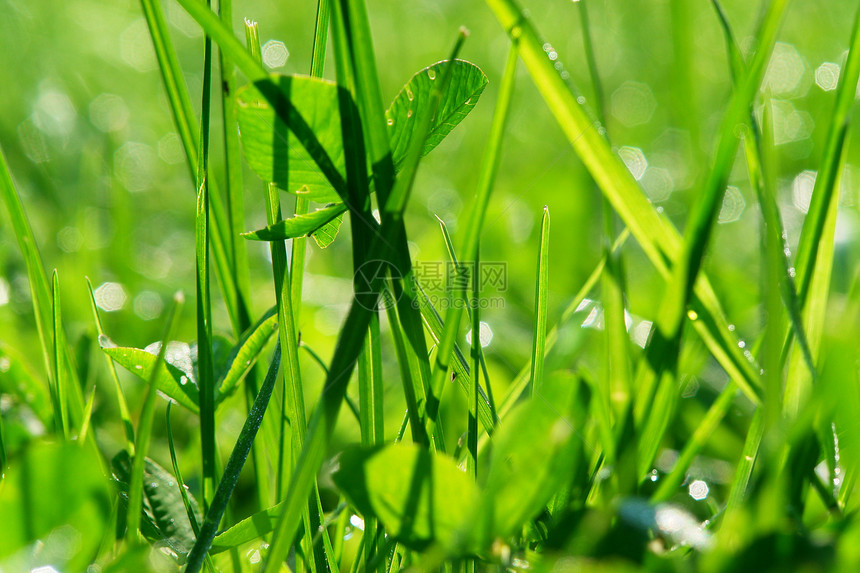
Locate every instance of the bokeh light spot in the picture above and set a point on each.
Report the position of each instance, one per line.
(633, 104)
(275, 54)
(110, 296)
(635, 161)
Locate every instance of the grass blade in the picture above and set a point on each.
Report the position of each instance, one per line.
(350, 342)
(489, 168)
(183, 118)
(657, 237)
(144, 428)
(120, 397)
(233, 468)
(35, 269)
(541, 285)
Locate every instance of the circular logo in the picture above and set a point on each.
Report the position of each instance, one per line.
(371, 287)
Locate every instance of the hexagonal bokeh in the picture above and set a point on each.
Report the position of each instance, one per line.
(633, 104)
(733, 205)
(827, 76)
(786, 72)
(635, 161)
(801, 189)
(275, 54)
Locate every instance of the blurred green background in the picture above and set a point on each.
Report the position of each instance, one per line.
(88, 134)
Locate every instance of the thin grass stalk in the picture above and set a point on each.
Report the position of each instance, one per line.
(299, 244)
(61, 380)
(473, 227)
(472, 421)
(230, 478)
(183, 117)
(616, 390)
(656, 235)
(541, 288)
(350, 342)
(486, 398)
(144, 426)
(36, 275)
(293, 393)
(124, 413)
(359, 57)
(206, 380)
(235, 188)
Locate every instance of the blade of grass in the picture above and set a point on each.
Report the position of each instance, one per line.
(88, 413)
(350, 342)
(233, 468)
(61, 382)
(144, 427)
(473, 227)
(206, 377)
(299, 244)
(541, 286)
(41, 292)
(125, 416)
(485, 396)
(659, 240)
(183, 117)
(371, 413)
(815, 248)
(822, 201)
(359, 63)
(294, 402)
(234, 187)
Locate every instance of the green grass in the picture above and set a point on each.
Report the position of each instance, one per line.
(661, 384)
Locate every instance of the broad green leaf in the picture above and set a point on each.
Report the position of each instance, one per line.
(173, 382)
(248, 529)
(529, 460)
(325, 235)
(54, 494)
(321, 224)
(420, 497)
(467, 84)
(246, 352)
(274, 151)
(163, 507)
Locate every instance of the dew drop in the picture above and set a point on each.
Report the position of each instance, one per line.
(409, 94)
(409, 113)
(390, 121)
(138, 367)
(692, 314)
(431, 73)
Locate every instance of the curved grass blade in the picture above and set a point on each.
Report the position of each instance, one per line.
(244, 355)
(349, 344)
(467, 84)
(484, 395)
(234, 467)
(120, 397)
(144, 430)
(659, 240)
(541, 286)
(473, 227)
(38, 279)
(300, 225)
(183, 116)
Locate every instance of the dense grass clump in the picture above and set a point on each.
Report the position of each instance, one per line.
(299, 368)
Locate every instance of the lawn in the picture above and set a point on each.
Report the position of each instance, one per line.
(499, 285)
